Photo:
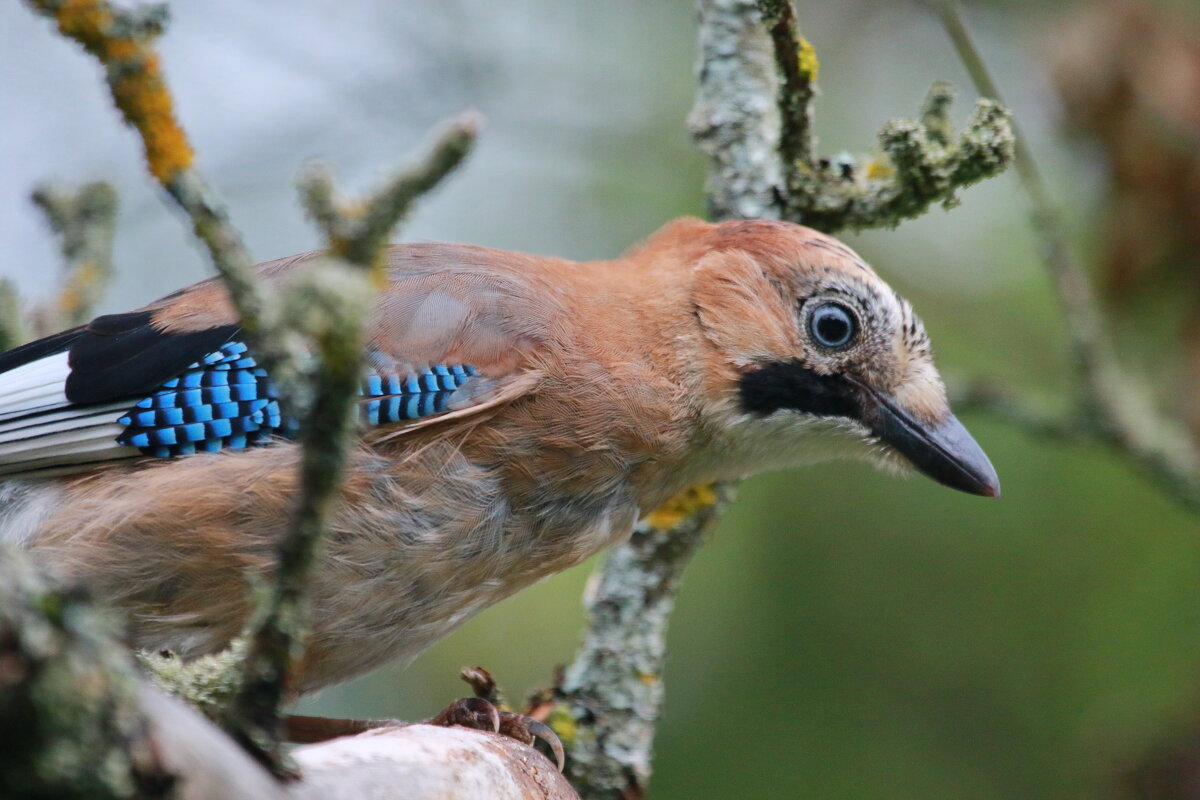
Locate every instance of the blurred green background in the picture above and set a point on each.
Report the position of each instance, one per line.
(845, 634)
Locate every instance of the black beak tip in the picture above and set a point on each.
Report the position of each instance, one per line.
(970, 467)
(989, 487)
(944, 451)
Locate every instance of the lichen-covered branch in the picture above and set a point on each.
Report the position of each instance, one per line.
(329, 304)
(735, 121)
(613, 690)
(921, 167)
(922, 163)
(68, 698)
(85, 221)
(1111, 404)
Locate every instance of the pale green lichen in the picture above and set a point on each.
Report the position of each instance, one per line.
(921, 164)
(67, 696)
(208, 683)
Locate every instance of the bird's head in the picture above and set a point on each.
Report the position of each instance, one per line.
(815, 356)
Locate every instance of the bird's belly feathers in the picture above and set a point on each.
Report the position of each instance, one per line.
(417, 546)
(24, 505)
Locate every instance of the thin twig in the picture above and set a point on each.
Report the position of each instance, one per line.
(1017, 412)
(1112, 403)
(122, 40)
(356, 232)
(330, 305)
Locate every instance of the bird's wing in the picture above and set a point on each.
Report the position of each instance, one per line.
(177, 378)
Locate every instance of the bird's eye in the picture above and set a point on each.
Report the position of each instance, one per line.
(832, 326)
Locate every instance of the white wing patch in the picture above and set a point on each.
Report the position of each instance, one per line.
(37, 385)
(41, 430)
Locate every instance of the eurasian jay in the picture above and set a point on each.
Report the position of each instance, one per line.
(519, 414)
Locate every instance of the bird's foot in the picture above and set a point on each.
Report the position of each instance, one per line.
(525, 728)
(480, 714)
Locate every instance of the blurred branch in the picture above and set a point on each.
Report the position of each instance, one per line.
(613, 689)
(330, 303)
(321, 313)
(85, 221)
(12, 326)
(1112, 404)
(1016, 411)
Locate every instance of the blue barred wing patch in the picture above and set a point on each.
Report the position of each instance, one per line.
(225, 401)
(396, 398)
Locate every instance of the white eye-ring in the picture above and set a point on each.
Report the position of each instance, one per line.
(832, 326)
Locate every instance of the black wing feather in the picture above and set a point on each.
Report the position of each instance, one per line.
(32, 351)
(122, 355)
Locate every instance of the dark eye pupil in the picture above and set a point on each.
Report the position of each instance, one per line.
(832, 326)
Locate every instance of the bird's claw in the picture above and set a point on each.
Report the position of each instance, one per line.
(481, 715)
(527, 729)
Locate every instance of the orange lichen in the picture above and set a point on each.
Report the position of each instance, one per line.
(135, 79)
(681, 506)
(807, 60)
(879, 169)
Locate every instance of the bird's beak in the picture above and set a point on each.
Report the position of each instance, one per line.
(944, 451)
